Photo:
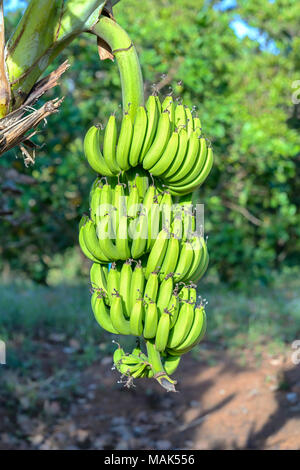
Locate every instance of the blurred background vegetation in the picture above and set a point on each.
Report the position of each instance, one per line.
(242, 87)
(237, 63)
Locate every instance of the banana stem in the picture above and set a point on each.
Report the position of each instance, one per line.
(128, 62)
(159, 373)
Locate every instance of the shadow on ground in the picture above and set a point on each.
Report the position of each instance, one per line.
(221, 404)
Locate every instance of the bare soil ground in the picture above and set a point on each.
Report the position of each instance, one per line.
(225, 401)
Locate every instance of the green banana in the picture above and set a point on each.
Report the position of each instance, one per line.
(117, 315)
(200, 160)
(153, 225)
(138, 137)
(158, 103)
(82, 244)
(140, 236)
(137, 284)
(133, 204)
(148, 372)
(151, 320)
(169, 106)
(192, 293)
(137, 177)
(92, 243)
(132, 371)
(167, 156)
(198, 250)
(180, 116)
(157, 252)
(166, 206)
(189, 120)
(101, 313)
(118, 354)
(97, 276)
(113, 281)
(171, 363)
(93, 153)
(182, 326)
(170, 258)
(196, 332)
(129, 370)
(190, 187)
(179, 156)
(147, 204)
(197, 124)
(125, 286)
(149, 197)
(136, 317)
(188, 162)
(165, 293)
(160, 141)
(105, 234)
(137, 352)
(153, 116)
(139, 372)
(177, 224)
(200, 270)
(124, 142)
(184, 261)
(189, 222)
(105, 270)
(122, 241)
(105, 202)
(93, 187)
(184, 294)
(95, 203)
(142, 182)
(130, 359)
(162, 332)
(109, 145)
(173, 308)
(120, 204)
(151, 288)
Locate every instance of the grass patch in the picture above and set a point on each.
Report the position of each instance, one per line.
(260, 315)
(31, 314)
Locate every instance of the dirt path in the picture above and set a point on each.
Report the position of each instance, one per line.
(221, 405)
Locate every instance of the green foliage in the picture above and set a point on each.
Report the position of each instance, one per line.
(34, 314)
(243, 93)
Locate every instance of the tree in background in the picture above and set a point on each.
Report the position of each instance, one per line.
(244, 90)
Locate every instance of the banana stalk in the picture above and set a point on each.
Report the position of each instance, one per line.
(128, 62)
(159, 373)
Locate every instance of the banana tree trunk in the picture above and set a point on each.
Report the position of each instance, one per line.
(45, 29)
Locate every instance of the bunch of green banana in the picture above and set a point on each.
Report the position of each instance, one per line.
(141, 234)
(116, 232)
(171, 341)
(124, 302)
(136, 364)
(125, 222)
(179, 155)
(110, 151)
(141, 231)
(164, 138)
(133, 365)
(185, 260)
